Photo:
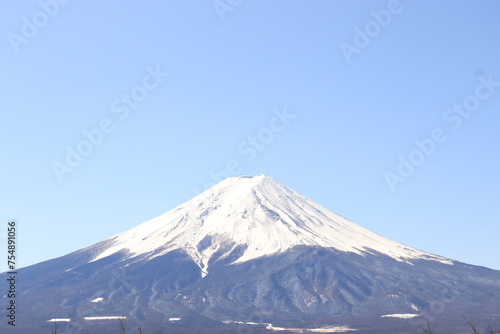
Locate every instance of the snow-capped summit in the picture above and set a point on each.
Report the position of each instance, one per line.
(257, 214)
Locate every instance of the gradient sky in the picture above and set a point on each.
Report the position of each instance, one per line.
(359, 94)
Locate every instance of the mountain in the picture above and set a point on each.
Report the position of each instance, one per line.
(259, 216)
(252, 255)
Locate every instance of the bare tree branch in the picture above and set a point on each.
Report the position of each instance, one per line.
(123, 326)
(473, 325)
(54, 331)
(428, 329)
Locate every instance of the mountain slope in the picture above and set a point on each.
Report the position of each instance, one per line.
(257, 213)
(252, 252)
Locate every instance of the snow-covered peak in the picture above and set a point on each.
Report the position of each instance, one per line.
(258, 213)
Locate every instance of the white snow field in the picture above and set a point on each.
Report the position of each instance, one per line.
(258, 212)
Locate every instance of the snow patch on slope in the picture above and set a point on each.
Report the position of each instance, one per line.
(400, 316)
(112, 317)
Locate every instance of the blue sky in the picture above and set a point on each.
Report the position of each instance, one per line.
(388, 114)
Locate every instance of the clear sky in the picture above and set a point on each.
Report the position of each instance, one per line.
(385, 112)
